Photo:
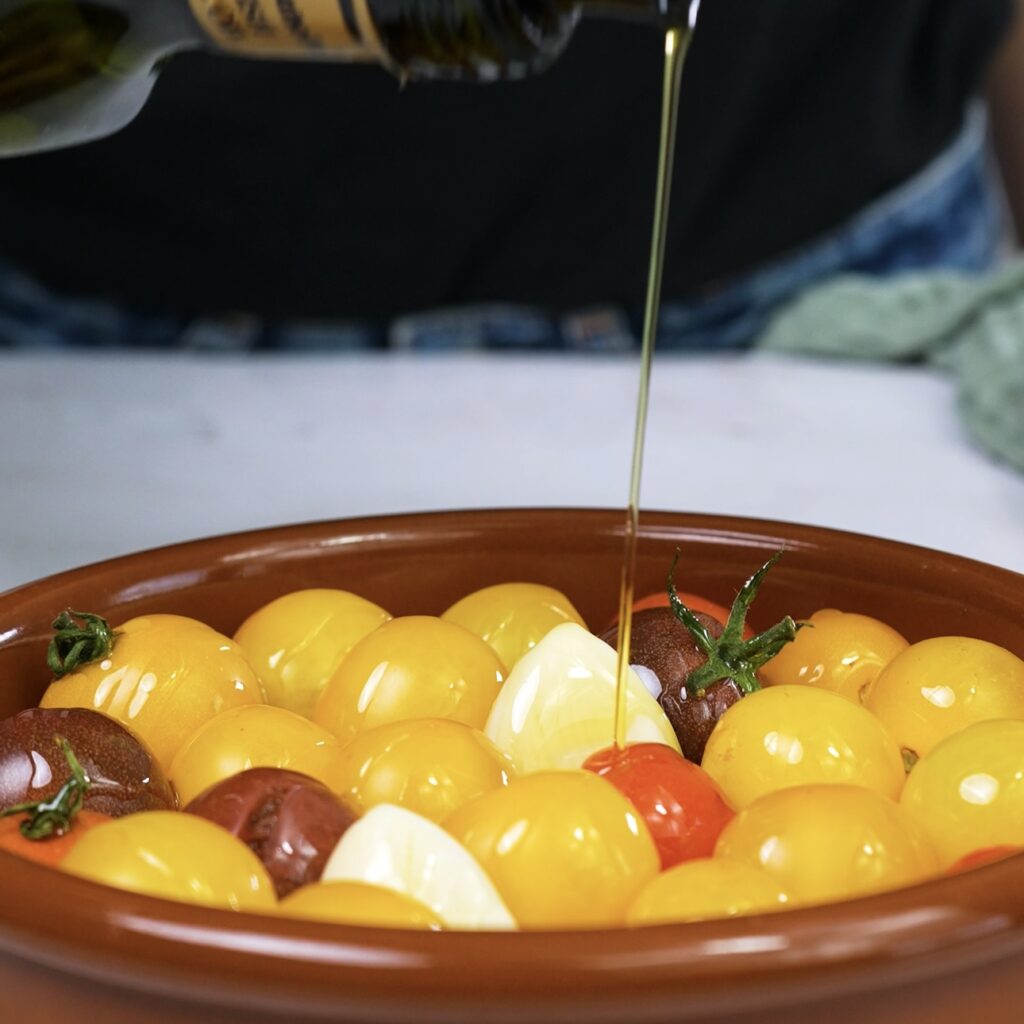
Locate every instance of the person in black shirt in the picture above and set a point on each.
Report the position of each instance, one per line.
(263, 204)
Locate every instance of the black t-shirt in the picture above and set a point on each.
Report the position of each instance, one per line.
(329, 191)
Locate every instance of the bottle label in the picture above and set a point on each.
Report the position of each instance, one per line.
(290, 27)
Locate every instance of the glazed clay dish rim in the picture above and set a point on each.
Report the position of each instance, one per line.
(161, 946)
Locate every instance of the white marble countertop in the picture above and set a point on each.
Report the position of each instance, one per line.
(105, 454)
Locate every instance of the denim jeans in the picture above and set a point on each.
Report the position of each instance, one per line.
(948, 216)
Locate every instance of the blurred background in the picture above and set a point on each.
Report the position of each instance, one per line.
(301, 291)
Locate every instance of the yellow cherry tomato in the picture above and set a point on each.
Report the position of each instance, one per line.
(938, 687)
(254, 736)
(513, 617)
(558, 705)
(707, 888)
(565, 849)
(297, 642)
(359, 904)
(838, 651)
(428, 765)
(798, 735)
(165, 676)
(826, 843)
(176, 856)
(417, 666)
(967, 793)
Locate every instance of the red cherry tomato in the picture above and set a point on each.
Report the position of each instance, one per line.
(52, 850)
(681, 804)
(694, 602)
(989, 855)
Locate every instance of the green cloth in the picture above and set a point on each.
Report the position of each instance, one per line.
(972, 326)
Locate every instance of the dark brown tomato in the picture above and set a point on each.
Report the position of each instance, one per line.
(694, 718)
(290, 821)
(660, 642)
(123, 776)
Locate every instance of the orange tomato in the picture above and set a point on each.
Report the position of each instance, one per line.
(988, 855)
(50, 851)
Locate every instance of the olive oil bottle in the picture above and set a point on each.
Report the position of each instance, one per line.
(74, 70)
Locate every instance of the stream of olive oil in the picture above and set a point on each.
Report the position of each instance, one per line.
(677, 41)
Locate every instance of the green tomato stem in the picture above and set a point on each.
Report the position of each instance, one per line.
(54, 817)
(730, 656)
(80, 638)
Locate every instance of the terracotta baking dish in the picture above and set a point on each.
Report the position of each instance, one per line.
(950, 950)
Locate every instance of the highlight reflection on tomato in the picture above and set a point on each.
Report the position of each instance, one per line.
(682, 805)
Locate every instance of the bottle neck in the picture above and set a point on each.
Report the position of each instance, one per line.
(417, 38)
(483, 39)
